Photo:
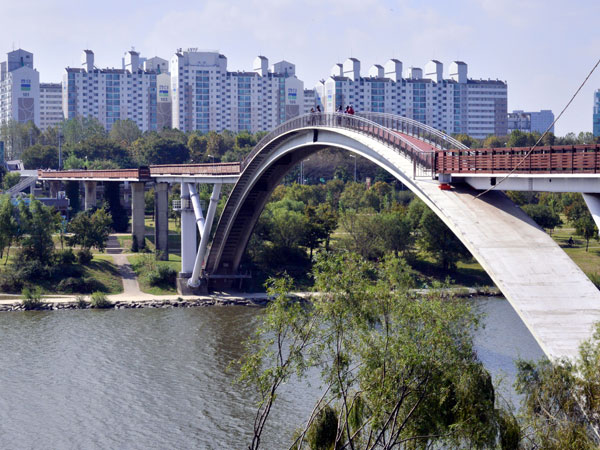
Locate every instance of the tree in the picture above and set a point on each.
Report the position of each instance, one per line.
(397, 371)
(79, 129)
(90, 229)
(8, 225)
(543, 215)
(37, 222)
(99, 147)
(586, 228)
(158, 150)
(561, 399)
(493, 142)
(11, 179)
(197, 146)
(320, 222)
(40, 157)
(439, 241)
(124, 132)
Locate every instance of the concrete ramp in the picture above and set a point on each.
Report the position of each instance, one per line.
(553, 297)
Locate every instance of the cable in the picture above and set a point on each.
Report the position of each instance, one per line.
(542, 136)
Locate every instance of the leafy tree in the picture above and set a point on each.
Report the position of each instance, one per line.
(493, 142)
(586, 228)
(543, 215)
(574, 207)
(320, 222)
(215, 144)
(40, 157)
(437, 239)
(396, 371)
(124, 132)
(467, 140)
(37, 222)
(90, 229)
(561, 399)
(352, 196)
(100, 148)
(79, 129)
(159, 150)
(197, 146)
(585, 137)
(8, 225)
(519, 138)
(11, 179)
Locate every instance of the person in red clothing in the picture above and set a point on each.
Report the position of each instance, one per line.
(350, 110)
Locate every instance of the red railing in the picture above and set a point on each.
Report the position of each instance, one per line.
(565, 159)
(140, 173)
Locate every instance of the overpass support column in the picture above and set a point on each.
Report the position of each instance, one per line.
(161, 220)
(54, 188)
(138, 230)
(188, 233)
(90, 194)
(593, 204)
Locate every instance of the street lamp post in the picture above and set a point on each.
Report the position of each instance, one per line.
(302, 170)
(354, 156)
(59, 149)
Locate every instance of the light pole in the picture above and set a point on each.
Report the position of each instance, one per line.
(213, 159)
(354, 156)
(59, 149)
(302, 170)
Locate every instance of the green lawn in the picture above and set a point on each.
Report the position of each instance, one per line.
(102, 268)
(174, 262)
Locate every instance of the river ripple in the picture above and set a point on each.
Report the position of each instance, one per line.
(158, 378)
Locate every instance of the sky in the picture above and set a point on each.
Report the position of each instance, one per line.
(543, 49)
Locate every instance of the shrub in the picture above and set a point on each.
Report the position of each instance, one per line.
(65, 257)
(79, 285)
(10, 282)
(81, 301)
(162, 275)
(84, 256)
(99, 301)
(33, 298)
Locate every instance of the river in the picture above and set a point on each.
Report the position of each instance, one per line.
(159, 378)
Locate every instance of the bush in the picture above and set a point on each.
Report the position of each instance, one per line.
(99, 301)
(594, 278)
(33, 298)
(78, 285)
(65, 257)
(84, 256)
(10, 282)
(162, 275)
(81, 301)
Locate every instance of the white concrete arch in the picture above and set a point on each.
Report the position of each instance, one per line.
(553, 297)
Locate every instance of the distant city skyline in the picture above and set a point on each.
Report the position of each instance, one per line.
(542, 50)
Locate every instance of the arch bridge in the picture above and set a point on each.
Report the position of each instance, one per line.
(554, 298)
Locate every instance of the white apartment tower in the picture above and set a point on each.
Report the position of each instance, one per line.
(455, 105)
(19, 88)
(111, 94)
(205, 96)
(51, 113)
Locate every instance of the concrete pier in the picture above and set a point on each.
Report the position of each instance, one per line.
(138, 205)
(161, 220)
(90, 194)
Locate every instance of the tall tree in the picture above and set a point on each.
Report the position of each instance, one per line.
(37, 223)
(8, 225)
(40, 157)
(124, 132)
(90, 229)
(440, 241)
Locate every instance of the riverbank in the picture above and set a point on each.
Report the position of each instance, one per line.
(120, 301)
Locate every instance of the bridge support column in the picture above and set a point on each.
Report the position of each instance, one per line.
(54, 188)
(194, 281)
(161, 220)
(90, 194)
(188, 233)
(138, 205)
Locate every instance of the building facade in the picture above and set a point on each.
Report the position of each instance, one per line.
(596, 116)
(530, 122)
(206, 96)
(455, 105)
(51, 113)
(19, 88)
(111, 94)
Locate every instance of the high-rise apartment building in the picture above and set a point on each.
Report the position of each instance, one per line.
(51, 113)
(111, 94)
(455, 105)
(163, 91)
(19, 88)
(206, 96)
(596, 117)
(530, 122)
